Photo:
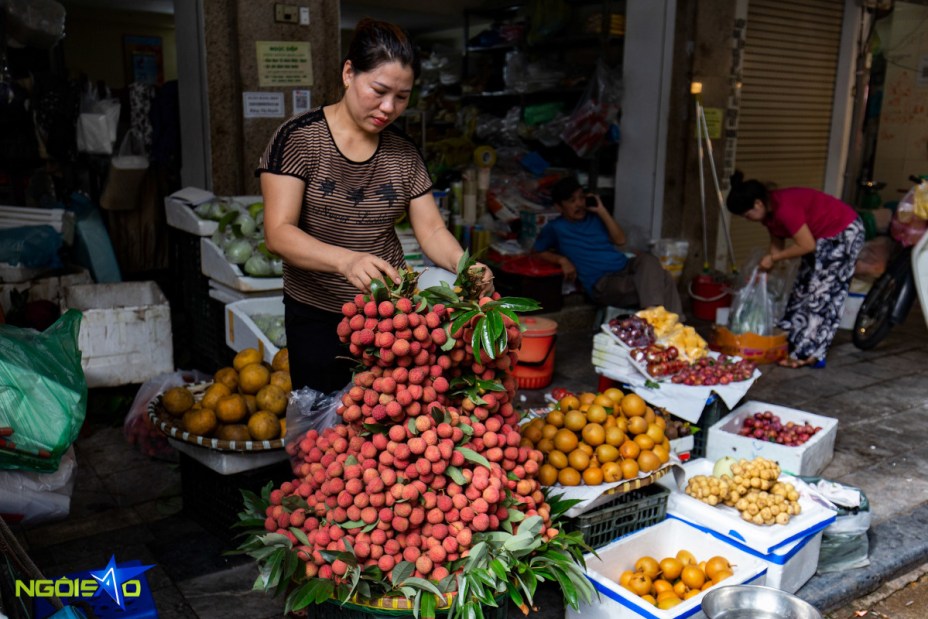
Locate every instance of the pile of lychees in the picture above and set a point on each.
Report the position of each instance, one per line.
(428, 452)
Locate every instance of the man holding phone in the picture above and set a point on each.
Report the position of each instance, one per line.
(584, 242)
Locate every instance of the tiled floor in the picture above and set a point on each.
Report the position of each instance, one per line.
(130, 505)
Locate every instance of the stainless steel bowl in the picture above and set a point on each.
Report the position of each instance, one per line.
(754, 602)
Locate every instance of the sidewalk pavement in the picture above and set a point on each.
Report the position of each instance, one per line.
(130, 505)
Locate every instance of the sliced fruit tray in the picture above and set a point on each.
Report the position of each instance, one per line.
(169, 425)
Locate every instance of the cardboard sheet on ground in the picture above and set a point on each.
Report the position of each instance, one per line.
(684, 401)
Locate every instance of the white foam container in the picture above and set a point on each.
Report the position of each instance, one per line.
(663, 539)
(810, 458)
(789, 551)
(59, 219)
(125, 334)
(241, 330)
(226, 463)
(213, 264)
(178, 210)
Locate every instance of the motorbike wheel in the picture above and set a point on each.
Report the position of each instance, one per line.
(874, 320)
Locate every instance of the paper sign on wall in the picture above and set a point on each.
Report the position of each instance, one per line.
(301, 101)
(284, 63)
(263, 104)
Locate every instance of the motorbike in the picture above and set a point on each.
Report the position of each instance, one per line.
(893, 294)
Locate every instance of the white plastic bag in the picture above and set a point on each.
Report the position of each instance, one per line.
(309, 409)
(30, 498)
(137, 427)
(751, 310)
(97, 125)
(126, 175)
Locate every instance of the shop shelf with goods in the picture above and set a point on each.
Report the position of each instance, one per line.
(545, 65)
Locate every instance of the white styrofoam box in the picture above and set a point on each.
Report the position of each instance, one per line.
(59, 219)
(851, 307)
(50, 288)
(213, 264)
(683, 447)
(810, 458)
(228, 463)
(125, 334)
(726, 523)
(663, 539)
(178, 210)
(227, 294)
(242, 332)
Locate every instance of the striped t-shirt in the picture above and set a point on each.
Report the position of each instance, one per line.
(351, 204)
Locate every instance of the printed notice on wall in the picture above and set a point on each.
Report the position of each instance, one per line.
(301, 101)
(263, 104)
(284, 63)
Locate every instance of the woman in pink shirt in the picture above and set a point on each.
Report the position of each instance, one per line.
(827, 235)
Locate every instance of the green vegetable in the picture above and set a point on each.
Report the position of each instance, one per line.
(238, 251)
(258, 266)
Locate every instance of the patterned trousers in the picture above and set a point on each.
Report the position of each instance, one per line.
(813, 311)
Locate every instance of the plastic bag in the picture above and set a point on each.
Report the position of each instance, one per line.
(309, 409)
(97, 124)
(43, 393)
(34, 498)
(127, 172)
(598, 110)
(845, 543)
(34, 247)
(751, 310)
(137, 427)
(907, 227)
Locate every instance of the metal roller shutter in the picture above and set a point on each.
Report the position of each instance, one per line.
(790, 62)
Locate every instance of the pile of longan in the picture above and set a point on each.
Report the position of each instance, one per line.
(595, 438)
(752, 489)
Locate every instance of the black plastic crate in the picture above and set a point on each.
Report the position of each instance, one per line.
(629, 512)
(713, 412)
(214, 500)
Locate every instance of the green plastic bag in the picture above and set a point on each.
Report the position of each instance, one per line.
(43, 393)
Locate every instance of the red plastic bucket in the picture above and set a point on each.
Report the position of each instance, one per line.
(709, 294)
(536, 358)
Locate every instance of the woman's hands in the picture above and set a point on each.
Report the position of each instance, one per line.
(766, 263)
(486, 278)
(360, 269)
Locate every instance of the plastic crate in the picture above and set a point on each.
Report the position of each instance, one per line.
(630, 512)
(214, 500)
(713, 412)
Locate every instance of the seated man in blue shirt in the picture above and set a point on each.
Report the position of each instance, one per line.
(583, 240)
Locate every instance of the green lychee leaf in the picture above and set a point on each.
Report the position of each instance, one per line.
(473, 456)
(456, 475)
(411, 425)
(402, 571)
(300, 535)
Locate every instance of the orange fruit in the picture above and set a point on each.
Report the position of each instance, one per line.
(233, 432)
(587, 398)
(578, 459)
(565, 440)
(555, 418)
(246, 357)
(647, 461)
(282, 380)
(610, 422)
(721, 575)
(629, 469)
(593, 434)
(614, 436)
(532, 432)
(263, 426)
(715, 565)
(669, 601)
(252, 377)
(644, 441)
(568, 477)
(596, 413)
(615, 394)
(547, 475)
(660, 586)
(199, 421)
(231, 408)
(177, 400)
(227, 376)
(603, 400)
(633, 405)
(593, 476)
(612, 472)
(648, 566)
(671, 568)
(568, 402)
(693, 577)
(557, 459)
(272, 399)
(655, 433)
(681, 589)
(548, 431)
(662, 454)
(607, 453)
(252, 403)
(686, 557)
(574, 420)
(585, 449)
(545, 445)
(281, 361)
(637, 425)
(212, 395)
(283, 426)
(629, 450)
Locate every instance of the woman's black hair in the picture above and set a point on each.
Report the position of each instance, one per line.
(743, 193)
(376, 42)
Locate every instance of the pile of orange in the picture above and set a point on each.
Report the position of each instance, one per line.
(592, 438)
(246, 401)
(672, 580)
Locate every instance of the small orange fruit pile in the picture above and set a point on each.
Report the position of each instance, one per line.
(594, 438)
(672, 580)
(246, 401)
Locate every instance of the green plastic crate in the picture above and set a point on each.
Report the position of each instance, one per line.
(629, 512)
